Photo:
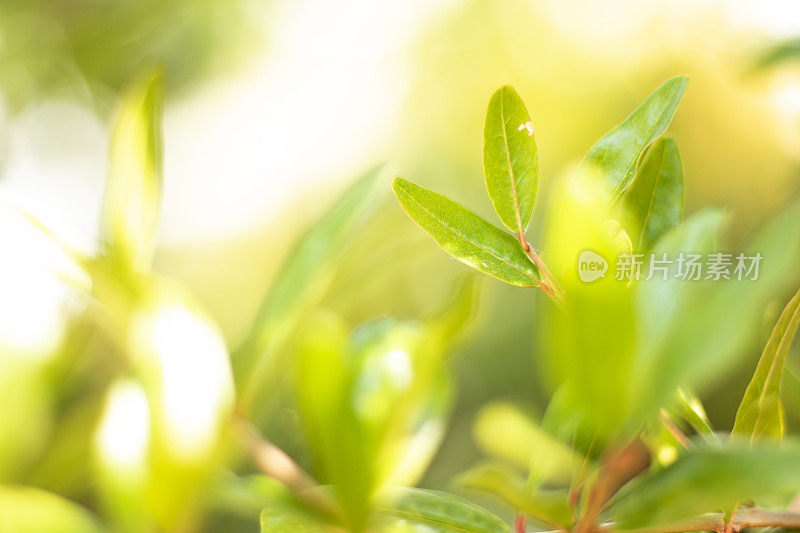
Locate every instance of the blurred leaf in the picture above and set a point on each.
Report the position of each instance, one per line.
(133, 191)
(466, 236)
(590, 351)
(55, 49)
(551, 507)
(691, 409)
(441, 512)
(760, 414)
(373, 405)
(510, 161)
(709, 479)
(301, 281)
(450, 321)
(655, 198)
(782, 53)
(524, 443)
(693, 337)
(29, 509)
(616, 155)
(283, 523)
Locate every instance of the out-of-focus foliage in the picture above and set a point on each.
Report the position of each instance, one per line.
(51, 46)
(130, 413)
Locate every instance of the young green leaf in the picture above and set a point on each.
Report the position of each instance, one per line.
(440, 512)
(709, 479)
(616, 155)
(654, 201)
(510, 161)
(692, 411)
(550, 507)
(525, 443)
(760, 414)
(305, 274)
(133, 191)
(466, 236)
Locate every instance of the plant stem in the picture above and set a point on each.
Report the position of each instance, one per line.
(275, 463)
(550, 285)
(519, 524)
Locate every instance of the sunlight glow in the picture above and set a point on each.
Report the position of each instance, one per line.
(34, 298)
(196, 382)
(124, 431)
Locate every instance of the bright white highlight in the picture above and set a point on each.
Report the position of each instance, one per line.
(124, 432)
(398, 363)
(34, 298)
(196, 382)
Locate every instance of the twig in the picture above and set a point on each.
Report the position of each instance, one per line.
(550, 285)
(519, 524)
(275, 463)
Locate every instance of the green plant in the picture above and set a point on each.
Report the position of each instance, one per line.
(176, 440)
(612, 451)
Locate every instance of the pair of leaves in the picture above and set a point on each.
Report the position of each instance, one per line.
(511, 171)
(616, 155)
(406, 511)
(709, 479)
(760, 413)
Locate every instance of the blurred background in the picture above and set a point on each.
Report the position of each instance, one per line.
(273, 107)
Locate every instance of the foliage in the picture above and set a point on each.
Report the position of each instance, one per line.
(622, 445)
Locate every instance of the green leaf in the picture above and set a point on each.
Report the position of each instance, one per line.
(373, 405)
(760, 413)
(466, 236)
(692, 411)
(783, 52)
(452, 319)
(693, 336)
(654, 201)
(524, 443)
(302, 280)
(133, 192)
(510, 161)
(29, 509)
(615, 156)
(709, 479)
(550, 507)
(278, 522)
(441, 512)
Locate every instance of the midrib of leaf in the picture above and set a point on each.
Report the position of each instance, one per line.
(652, 197)
(782, 348)
(477, 245)
(510, 167)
